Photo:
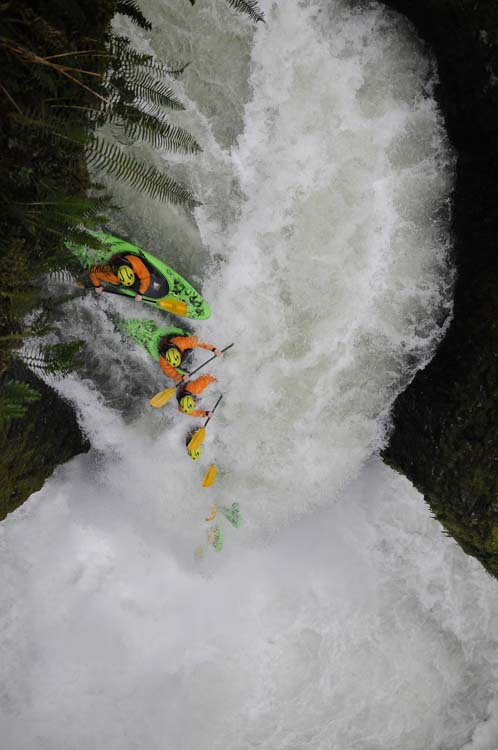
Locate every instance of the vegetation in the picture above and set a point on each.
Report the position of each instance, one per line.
(14, 401)
(31, 446)
(249, 7)
(64, 76)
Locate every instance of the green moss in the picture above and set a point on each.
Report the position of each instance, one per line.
(491, 541)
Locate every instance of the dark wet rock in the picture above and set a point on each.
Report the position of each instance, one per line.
(445, 425)
(33, 446)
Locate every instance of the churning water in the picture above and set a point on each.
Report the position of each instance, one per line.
(338, 617)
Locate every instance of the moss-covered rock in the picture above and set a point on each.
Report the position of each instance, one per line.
(34, 445)
(445, 426)
(37, 169)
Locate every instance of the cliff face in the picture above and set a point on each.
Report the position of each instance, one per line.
(445, 425)
(36, 170)
(33, 446)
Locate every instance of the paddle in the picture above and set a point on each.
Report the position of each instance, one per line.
(162, 398)
(197, 438)
(174, 306)
(210, 476)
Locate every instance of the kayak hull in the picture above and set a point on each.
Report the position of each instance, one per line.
(148, 334)
(169, 284)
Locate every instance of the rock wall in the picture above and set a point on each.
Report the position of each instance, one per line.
(33, 446)
(445, 425)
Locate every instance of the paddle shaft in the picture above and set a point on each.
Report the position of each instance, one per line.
(213, 409)
(206, 363)
(115, 291)
(108, 290)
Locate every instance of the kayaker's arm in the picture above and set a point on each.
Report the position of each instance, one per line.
(198, 413)
(98, 274)
(141, 273)
(193, 342)
(175, 373)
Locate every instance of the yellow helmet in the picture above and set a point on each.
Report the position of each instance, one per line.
(194, 454)
(173, 356)
(187, 404)
(126, 275)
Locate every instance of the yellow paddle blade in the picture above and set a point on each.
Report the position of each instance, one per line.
(210, 477)
(175, 306)
(162, 398)
(197, 439)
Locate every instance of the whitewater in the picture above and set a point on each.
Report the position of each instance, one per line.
(338, 616)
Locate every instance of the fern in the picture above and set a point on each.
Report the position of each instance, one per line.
(56, 360)
(14, 401)
(82, 236)
(146, 88)
(63, 216)
(61, 276)
(123, 57)
(130, 8)
(249, 7)
(130, 96)
(143, 126)
(51, 129)
(62, 359)
(109, 158)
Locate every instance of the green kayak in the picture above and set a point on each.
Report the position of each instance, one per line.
(148, 334)
(167, 287)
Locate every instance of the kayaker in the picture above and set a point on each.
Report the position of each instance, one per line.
(173, 350)
(188, 394)
(232, 514)
(123, 270)
(214, 538)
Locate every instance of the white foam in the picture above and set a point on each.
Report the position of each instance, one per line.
(337, 616)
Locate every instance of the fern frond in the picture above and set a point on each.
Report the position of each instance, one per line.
(61, 276)
(60, 217)
(148, 89)
(130, 8)
(21, 392)
(123, 58)
(62, 359)
(57, 360)
(79, 207)
(52, 129)
(249, 7)
(109, 157)
(82, 236)
(176, 69)
(14, 401)
(143, 126)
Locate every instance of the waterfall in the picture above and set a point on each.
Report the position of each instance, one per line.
(337, 616)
